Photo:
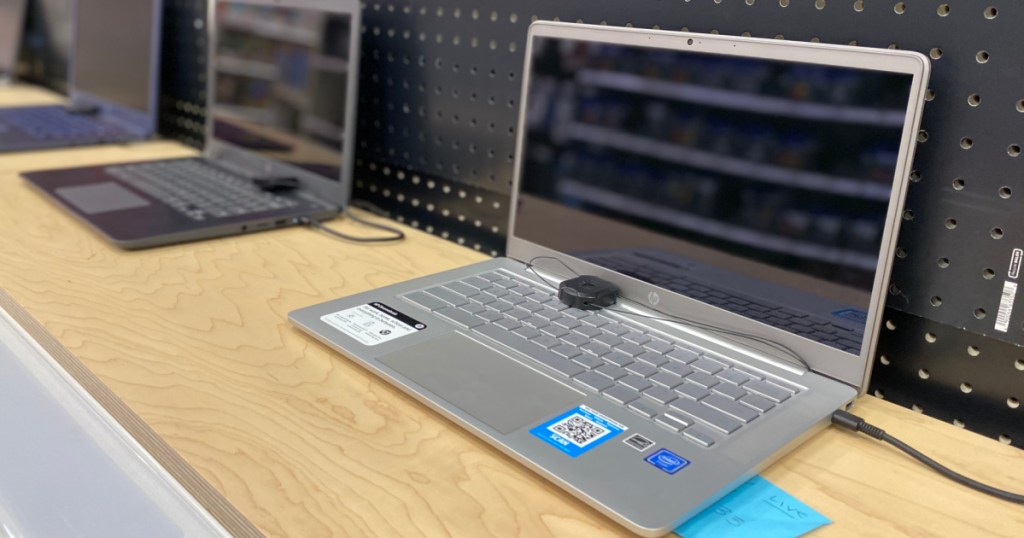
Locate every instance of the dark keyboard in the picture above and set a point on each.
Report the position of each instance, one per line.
(673, 383)
(198, 190)
(54, 123)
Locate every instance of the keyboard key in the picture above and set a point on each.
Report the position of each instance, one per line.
(702, 379)
(566, 322)
(481, 298)
(596, 349)
(576, 340)
(528, 333)
(654, 359)
(707, 365)
(643, 408)
(508, 324)
(473, 308)
(615, 329)
(691, 391)
(714, 417)
(562, 366)
(729, 391)
(677, 368)
(642, 369)
(576, 313)
(772, 392)
(611, 371)
(518, 314)
(757, 402)
(618, 359)
(660, 394)
(549, 314)
(461, 288)
(426, 300)
(546, 341)
(721, 403)
(492, 276)
(459, 317)
(673, 421)
(490, 316)
(505, 283)
(564, 350)
(635, 382)
(621, 395)
(630, 349)
(683, 355)
(531, 306)
(554, 330)
(734, 376)
(666, 379)
(594, 381)
(477, 282)
(608, 339)
(594, 321)
(635, 337)
(447, 296)
(700, 435)
(659, 346)
(535, 322)
(587, 361)
(587, 331)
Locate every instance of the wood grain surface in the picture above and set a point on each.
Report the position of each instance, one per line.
(194, 338)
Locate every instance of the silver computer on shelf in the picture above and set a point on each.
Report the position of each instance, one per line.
(12, 25)
(742, 194)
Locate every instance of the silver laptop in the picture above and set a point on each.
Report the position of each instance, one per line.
(12, 25)
(113, 76)
(782, 162)
(283, 77)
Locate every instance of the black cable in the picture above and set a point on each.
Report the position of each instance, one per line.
(397, 235)
(778, 346)
(854, 423)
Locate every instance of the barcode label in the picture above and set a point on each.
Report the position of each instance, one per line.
(1006, 306)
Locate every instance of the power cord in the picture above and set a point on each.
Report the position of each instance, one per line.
(397, 235)
(778, 346)
(849, 421)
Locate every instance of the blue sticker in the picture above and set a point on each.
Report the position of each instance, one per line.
(852, 314)
(578, 430)
(667, 461)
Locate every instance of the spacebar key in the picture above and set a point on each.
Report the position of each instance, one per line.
(459, 317)
(560, 364)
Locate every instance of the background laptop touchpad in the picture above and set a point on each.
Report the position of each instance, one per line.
(484, 383)
(101, 198)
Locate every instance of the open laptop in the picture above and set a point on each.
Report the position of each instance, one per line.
(113, 79)
(726, 150)
(282, 98)
(12, 25)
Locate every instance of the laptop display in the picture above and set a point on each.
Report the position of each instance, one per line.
(103, 67)
(758, 186)
(280, 81)
(12, 23)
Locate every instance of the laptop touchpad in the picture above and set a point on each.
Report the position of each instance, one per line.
(484, 383)
(101, 198)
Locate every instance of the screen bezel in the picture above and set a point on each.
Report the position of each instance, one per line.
(843, 366)
(335, 192)
(143, 122)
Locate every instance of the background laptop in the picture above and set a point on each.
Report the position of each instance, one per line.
(282, 97)
(12, 25)
(113, 79)
(730, 151)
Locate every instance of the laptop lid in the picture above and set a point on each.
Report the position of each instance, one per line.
(282, 90)
(12, 24)
(115, 64)
(781, 166)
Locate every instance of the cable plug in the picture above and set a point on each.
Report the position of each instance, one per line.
(852, 422)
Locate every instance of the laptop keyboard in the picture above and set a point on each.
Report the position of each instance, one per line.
(54, 123)
(669, 382)
(198, 190)
(794, 321)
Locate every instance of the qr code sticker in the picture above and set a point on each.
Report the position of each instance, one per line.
(579, 430)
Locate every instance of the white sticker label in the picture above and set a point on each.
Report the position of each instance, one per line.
(1006, 306)
(1015, 260)
(374, 323)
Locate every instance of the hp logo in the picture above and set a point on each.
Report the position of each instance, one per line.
(653, 298)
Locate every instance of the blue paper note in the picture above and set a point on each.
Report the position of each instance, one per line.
(757, 508)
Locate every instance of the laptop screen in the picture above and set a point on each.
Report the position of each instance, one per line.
(12, 22)
(113, 46)
(758, 186)
(280, 79)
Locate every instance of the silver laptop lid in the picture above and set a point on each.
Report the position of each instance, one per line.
(282, 90)
(694, 170)
(115, 63)
(12, 24)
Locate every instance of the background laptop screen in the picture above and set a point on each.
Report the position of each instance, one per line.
(113, 47)
(12, 22)
(280, 83)
(758, 186)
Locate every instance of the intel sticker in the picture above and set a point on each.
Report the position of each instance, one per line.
(667, 461)
(578, 430)
(373, 323)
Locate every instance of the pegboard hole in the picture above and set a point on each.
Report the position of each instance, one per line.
(935, 53)
(974, 99)
(996, 233)
(991, 12)
(890, 324)
(922, 136)
(1019, 364)
(966, 388)
(988, 274)
(943, 262)
(958, 423)
(951, 223)
(750, 2)
(1012, 403)
(979, 313)
(1020, 105)
(1013, 150)
(929, 95)
(895, 290)
(1005, 192)
(930, 337)
(973, 351)
(943, 10)
(981, 56)
(820, 4)
(1005, 439)
(923, 374)
(917, 408)
(784, 3)
(879, 394)
(513, 18)
(858, 6)
(908, 214)
(915, 176)
(884, 359)
(900, 8)
(936, 300)
(959, 183)
(966, 142)
(901, 252)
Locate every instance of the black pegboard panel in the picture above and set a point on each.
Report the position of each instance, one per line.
(183, 71)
